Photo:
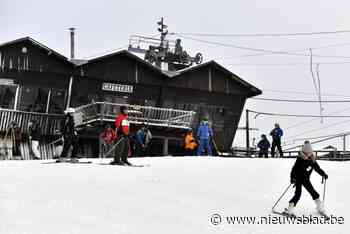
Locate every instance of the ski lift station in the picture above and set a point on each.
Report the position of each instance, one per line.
(168, 90)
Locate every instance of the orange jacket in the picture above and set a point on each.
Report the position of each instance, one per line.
(190, 141)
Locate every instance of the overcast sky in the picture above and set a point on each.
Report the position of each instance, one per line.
(106, 25)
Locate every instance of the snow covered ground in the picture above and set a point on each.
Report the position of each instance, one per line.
(168, 195)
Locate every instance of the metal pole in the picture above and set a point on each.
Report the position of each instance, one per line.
(48, 101)
(69, 96)
(324, 191)
(15, 107)
(247, 133)
(344, 143)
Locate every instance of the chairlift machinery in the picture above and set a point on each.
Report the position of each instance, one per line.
(157, 51)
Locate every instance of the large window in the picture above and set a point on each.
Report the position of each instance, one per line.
(57, 100)
(33, 99)
(7, 96)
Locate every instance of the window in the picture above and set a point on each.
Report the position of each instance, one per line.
(33, 99)
(8, 96)
(57, 100)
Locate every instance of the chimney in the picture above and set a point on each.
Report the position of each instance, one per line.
(72, 42)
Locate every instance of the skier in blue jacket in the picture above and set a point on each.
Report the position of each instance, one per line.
(276, 134)
(204, 134)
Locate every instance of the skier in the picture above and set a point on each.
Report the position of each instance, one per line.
(123, 141)
(70, 136)
(276, 134)
(148, 140)
(204, 134)
(264, 146)
(141, 141)
(190, 143)
(107, 139)
(34, 137)
(300, 176)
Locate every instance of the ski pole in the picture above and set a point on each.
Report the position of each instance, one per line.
(115, 145)
(324, 189)
(55, 141)
(285, 191)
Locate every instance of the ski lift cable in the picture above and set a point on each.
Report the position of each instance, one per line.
(298, 115)
(316, 129)
(284, 64)
(259, 49)
(262, 34)
(299, 100)
(299, 50)
(313, 119)
(303, 93)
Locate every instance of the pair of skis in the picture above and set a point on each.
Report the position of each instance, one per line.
(73, 161)
(284, 213)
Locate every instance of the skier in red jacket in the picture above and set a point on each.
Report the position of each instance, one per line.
(122, 128)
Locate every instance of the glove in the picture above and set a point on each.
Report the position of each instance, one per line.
(325, 176)
(293, 180)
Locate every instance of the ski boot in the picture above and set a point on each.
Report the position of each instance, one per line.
(60, 160)
(114, 162)
(74, 160)
(290, 210)
(127, 163)
(320, 208)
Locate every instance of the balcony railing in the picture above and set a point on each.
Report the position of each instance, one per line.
(153, 116)
(48, 122)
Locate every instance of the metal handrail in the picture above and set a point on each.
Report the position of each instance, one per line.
(48, 122)
(106, 111)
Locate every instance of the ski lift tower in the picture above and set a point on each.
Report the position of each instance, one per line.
(163, 53)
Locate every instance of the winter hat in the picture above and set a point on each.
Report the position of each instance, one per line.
(307, 151)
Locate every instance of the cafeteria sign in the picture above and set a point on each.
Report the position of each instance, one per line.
(118, 88)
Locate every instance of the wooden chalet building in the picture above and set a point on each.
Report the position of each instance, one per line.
(36, 81)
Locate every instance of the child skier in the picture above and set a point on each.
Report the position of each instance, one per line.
(300, 176)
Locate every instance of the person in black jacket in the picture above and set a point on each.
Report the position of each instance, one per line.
(300, 176)
(34, 137)
(264, 146)
(70, 136)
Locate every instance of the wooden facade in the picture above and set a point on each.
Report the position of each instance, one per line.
(35, 78)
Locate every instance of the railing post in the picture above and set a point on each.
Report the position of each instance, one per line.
(247, 133)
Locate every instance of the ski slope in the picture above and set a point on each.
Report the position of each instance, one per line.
(169, 195)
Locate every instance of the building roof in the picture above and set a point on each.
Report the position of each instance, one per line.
(35, 43)
(222, 69)
(175, 74)
(169, 74)
(128, 54)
